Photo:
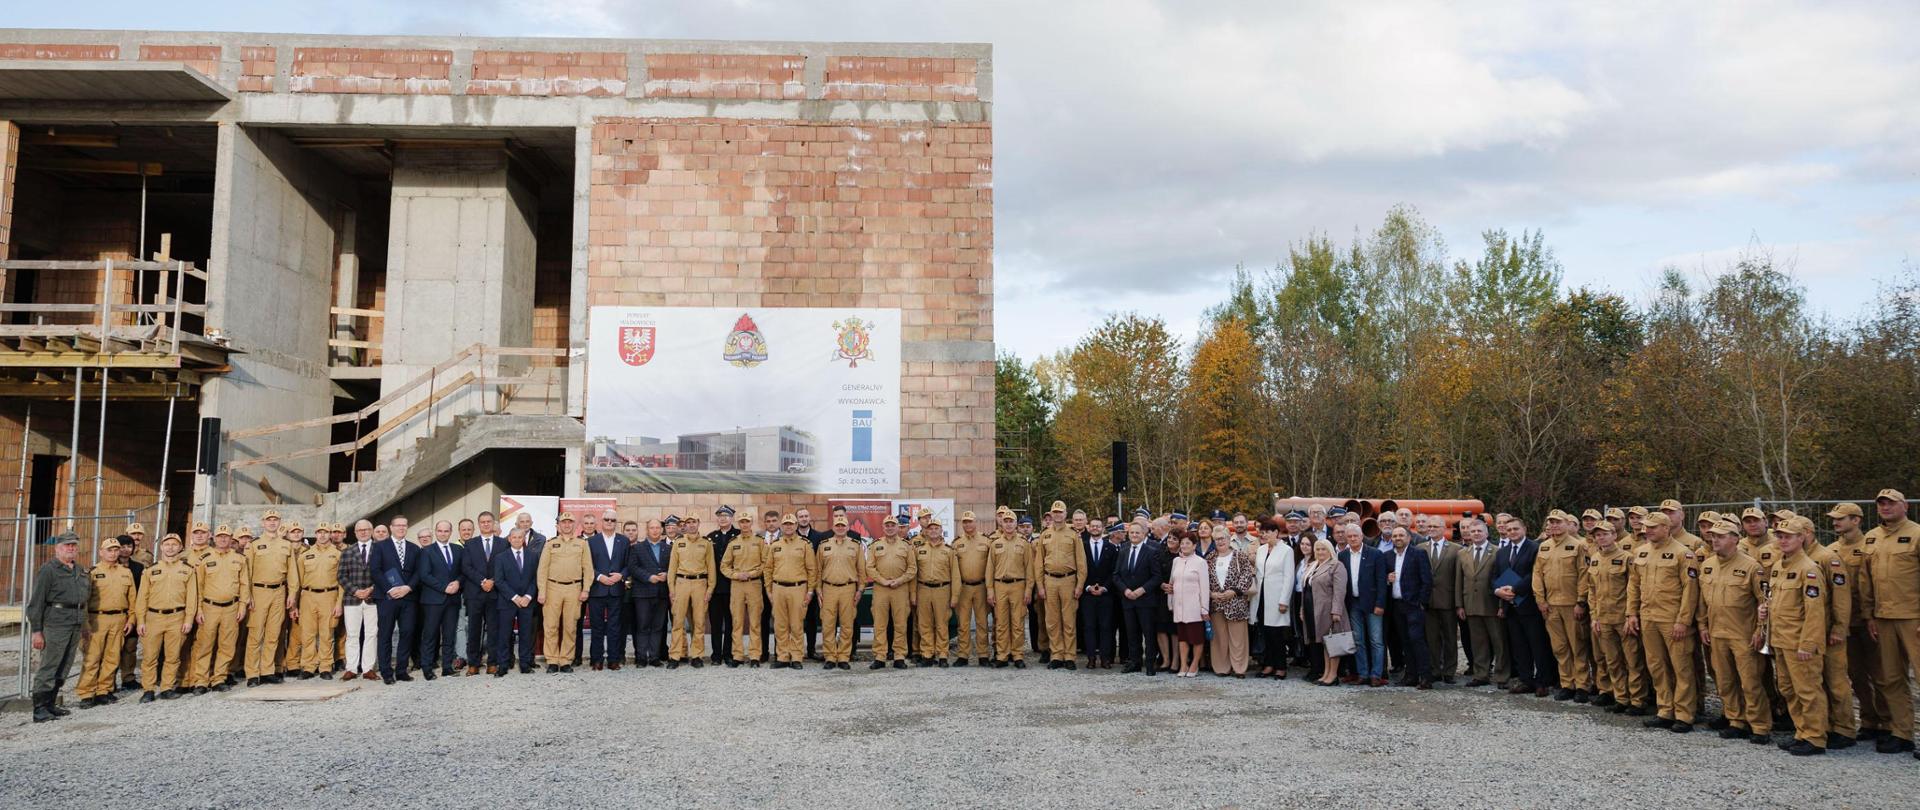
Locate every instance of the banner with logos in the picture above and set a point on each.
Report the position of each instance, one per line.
(743, 400)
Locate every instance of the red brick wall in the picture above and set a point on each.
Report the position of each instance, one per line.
(60, 52)
(899, 78)
(534, 73)
(704, 75)
(789, 213)
(203, 58)
(257, 68)
(371, 70)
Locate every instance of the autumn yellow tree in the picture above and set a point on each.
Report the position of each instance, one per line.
(1223, 409)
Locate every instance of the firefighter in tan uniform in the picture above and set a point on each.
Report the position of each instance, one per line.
(936, 593)
(114, 594)
(288, 661)
(320, 606)
(688, 590)
(974, 640)
(1604, 591)
(843, 569)
(1797, 633)
(275, 581)
(1890, 586)
(1662, 599)
(164, 611)
(1851, 547)
(565, 568)
(891, 566)
(224, 593)
(792, 574)
(1009, 570)
(1732, 588)
(744, 563)
(1061, 559)
(1842, 722)
(1556, 582)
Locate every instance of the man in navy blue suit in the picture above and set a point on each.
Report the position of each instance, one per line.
(1366, 606)
(480, 591)
(513, 573)
(439, 600)
(396, 572)
(647, 563)
(1138, 571)
(1527, 643)
(1410, 585)
(608, 548)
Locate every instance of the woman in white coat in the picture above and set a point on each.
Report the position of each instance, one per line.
(1273, 566)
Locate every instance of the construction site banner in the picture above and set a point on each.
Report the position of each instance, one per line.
(732, 400)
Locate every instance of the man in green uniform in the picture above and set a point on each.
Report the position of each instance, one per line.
(56, 613)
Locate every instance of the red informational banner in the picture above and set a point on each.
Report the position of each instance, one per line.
(864, 516)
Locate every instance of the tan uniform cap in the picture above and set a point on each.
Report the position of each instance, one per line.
(222, 530)
(1794, 525)
(1889, 495)
(270, 513)
(1752, 512)
(198, 527)
(1591, 513)
(788, 518)
(244, 532)
(966, 516)
(1638, 510)
(1724, 526)
(136, 529)
(1844, 510)
(1671, 504)
(1603, 526)
(1058, 506)
(111, 543)
(1657, 519)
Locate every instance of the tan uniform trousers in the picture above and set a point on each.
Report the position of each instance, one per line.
(317, 625)
(105, 634)
(1806, 697)
(1063, 604)
(163, 641)
(973, 641)
(213, 643)
(789, 613)
(560, 623)
(689, 607)
(838, 605)
(1009, 620)
(264, 621)
(744, 604)
(892, 611)
(1569, 647)
(1863, 654)
(1639, 682)
(934, 615)
(1739, 675)
(1898, 649)
(1671, 665)
(130, 652)
(1841, 718)
(1610, 663)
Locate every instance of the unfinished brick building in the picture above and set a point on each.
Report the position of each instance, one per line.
(371, 258)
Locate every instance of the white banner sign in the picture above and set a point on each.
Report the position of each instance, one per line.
(743, 400)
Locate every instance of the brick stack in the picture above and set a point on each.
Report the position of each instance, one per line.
(540, 73)
(714, 75)
(203, 58)
(899, 78)
(371, 70)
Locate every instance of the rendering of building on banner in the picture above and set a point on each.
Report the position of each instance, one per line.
(755, 401)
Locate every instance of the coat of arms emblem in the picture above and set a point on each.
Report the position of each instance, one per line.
(854, 343)
(636, 345)
(745, 346)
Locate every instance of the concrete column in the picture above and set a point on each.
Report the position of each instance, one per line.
(460, 269)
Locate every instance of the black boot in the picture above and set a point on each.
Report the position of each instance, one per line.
(53, 705)
(42, 707)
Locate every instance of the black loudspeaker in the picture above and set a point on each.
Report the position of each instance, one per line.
(1119, 466)
(209, 445)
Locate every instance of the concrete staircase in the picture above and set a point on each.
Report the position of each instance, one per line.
(431, 457)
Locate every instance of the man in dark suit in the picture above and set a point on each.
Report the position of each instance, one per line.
(1366, 607)
(1097, 603)
(647, 566)
(1443, 625)
(608, 549)
(481, 592)
(1137, 575)
(1410, 584)
(1527, 642)
(440, 565)
(720, 601)
(396, 572)
(513, 573)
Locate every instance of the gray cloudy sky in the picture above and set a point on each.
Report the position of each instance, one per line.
(1145, 147)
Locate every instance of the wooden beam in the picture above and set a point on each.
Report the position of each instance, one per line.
(78, 359)
(361, 313)
(84, 166)
(70, 264)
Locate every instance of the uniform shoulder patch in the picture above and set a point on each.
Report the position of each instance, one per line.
(1666, 555)
(1839, 580)
(1694, 572)
(1643, 555)
(1813, 591)
(1707, 571)
(1793, 575)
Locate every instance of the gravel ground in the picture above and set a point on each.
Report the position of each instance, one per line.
(920, 738)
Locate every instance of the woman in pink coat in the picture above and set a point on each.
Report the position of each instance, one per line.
(1188, 575)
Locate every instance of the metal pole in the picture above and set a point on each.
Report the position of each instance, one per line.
(140, 251)
(73, 448)
(179, 282)
(166, 452)
(100, 460)
(14, 597)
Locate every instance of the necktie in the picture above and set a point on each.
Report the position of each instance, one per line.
(518, 561)
(400, 548)
(364, 551)
(1096, 553)
(446, 551)
(1133, 560)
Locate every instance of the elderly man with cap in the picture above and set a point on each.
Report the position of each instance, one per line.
(1061, 559)
(224, 596)
(974, 639)
(1010, 574)
(111, 597)
(320, 606)
(1557, 574)
(936, 592)
(1890, 587)
(56, 614)
(162, 615)
(1796, 616)
(744, 562)
(1732, 589)
(1862, 655)
(891, 567)
(1663, 598)
(792, 575)
(564, 578)
(720, 615)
